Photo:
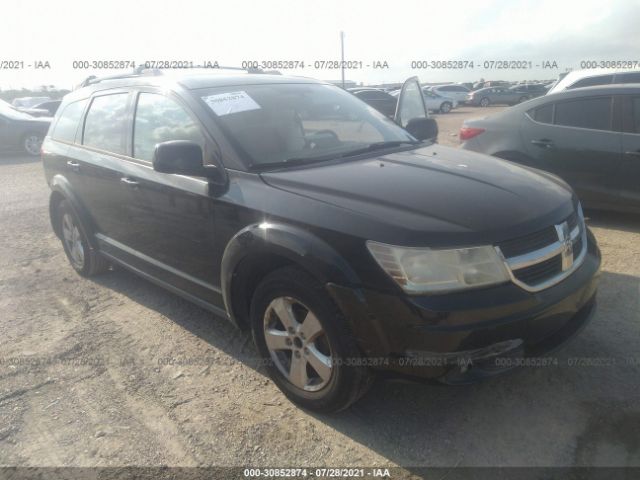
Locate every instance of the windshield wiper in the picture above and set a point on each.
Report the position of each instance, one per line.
(290, 162)
(372, 147)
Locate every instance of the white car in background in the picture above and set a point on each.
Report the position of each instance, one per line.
(434, 102)
(453, 90)
(438, 103)
(594, 77)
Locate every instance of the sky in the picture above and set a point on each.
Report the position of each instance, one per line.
(566, 32)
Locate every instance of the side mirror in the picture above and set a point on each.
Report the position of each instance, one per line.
(182, 157)
(423, 128)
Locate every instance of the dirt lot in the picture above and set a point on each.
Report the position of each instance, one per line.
(115, 371)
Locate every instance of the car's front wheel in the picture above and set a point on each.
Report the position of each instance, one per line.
(484, 102)
(523, 99)
(308, 349)
(446, 107)
(31, 143)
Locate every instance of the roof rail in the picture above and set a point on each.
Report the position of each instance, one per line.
(143, 71)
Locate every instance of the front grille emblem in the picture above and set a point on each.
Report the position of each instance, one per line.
(564, 235)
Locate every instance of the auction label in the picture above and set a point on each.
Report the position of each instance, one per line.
(232, 102)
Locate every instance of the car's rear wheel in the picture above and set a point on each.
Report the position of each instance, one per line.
(523, 99)
(446, 107)
(31, 143)
(305, 342)
(484, 102)
(83, 258)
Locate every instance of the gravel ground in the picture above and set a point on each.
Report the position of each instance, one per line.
(114, 371)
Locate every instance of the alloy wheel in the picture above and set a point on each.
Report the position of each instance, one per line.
(32, 144)
(298, 344)
(73, 240)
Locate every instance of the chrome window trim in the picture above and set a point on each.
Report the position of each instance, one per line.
(545, 253)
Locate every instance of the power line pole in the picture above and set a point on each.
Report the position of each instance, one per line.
(342, 54)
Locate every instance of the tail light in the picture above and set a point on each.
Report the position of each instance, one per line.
(469, 132)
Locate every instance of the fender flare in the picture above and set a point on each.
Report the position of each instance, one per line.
(59, 184)
(297, 245)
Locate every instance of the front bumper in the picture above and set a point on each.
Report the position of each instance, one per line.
(461, 337)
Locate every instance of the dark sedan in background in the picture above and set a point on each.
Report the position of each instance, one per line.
(378, 99)
(589, 136)
(531, 90)
(44, 109)
(20, 131)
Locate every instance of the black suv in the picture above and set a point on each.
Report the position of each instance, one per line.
(346, 241)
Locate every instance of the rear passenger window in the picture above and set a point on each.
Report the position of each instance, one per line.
(67, 125)
(104, 127)
(160, 119)
(543, 114)
(592, 113)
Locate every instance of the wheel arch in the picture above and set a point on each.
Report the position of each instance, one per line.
(259, 249)
(61, 190)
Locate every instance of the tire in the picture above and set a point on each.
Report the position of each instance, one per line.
(485, 102)
(318, 337)
(31, 143)
(84, 260)
(446, 107)
(523, 99)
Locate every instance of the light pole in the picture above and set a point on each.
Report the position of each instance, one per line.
(342, 55)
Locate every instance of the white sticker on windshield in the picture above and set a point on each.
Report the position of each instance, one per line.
(232, 102)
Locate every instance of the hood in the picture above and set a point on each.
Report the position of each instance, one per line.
(435, 195)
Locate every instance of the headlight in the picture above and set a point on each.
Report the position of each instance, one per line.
(423, 270)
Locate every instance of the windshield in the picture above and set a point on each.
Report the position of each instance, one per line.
(8, 111)
(280, 123)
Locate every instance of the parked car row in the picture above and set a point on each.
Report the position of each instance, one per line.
(20, 131)
(588, 136)
(386, 103)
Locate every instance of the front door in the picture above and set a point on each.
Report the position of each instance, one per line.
(171, 229)
(411, 103)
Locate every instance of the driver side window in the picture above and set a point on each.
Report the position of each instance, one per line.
(160, 119)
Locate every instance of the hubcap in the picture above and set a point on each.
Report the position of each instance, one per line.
(297, 344)
(72, 239)
(32, 144)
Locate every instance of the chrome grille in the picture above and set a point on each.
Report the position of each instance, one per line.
(544, 258)
(539, 272)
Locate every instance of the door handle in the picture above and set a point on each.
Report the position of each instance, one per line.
(633, 154)
(543, 143)
(128, 181)
(75, 166)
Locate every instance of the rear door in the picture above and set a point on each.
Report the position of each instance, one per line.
(629, 179)
(98, 161)
(576, 140)
(64, 134)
